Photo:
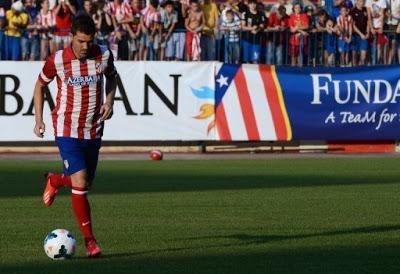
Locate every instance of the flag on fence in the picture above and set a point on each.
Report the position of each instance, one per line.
(249, 104)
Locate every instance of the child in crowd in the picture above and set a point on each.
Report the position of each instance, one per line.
(194, 25)
(169, 18)
(345, 33)
(232, 27)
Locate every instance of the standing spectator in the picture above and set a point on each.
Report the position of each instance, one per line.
(393, 21)
(398, 40)
(345, 33)
(64, 12)
(330, 41)
(277, 23)
(298, 23)
(150, 25)
(179, 32)
(253, 24)
(194, 25)
(17, 20)
(46, 22)
(30, 40)
(122, 18)
(207, 40)
(361, 33)
(134, 30)
(103, 22)
(287, 4)
(232, 27)
(376, 9)
(2, 27)
(169, 18)
(337, 4)
(312, 32)
(88, 7)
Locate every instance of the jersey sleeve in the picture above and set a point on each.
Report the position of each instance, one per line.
(110, 71)
(48, 72)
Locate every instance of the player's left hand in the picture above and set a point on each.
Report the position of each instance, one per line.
(106, 111)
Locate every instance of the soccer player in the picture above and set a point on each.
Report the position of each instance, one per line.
(78, 118)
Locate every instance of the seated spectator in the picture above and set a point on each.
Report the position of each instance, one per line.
(252, 24)
(150, 25)
(30, 40)
(231, 27)
(194, 25)
(17, 20)
(360, 33)
(169, 18)
(46, 22)
(298, 24)
(64, 11)
(345, 33)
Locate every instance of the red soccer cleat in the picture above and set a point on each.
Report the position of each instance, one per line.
(92, 249)
(49, 193)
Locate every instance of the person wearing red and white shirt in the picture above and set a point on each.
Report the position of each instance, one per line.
(78, 118)
(46, 22)
(151, 30)
(63, 12)
(345, 33)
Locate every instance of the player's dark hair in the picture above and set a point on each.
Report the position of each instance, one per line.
(83, 23)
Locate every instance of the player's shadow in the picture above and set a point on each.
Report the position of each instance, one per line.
(246, 239)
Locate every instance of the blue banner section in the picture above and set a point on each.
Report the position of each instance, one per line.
(361, 103)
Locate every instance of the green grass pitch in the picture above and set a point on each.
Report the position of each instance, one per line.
(328, 215)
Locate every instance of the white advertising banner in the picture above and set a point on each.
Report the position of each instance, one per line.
(154, 101)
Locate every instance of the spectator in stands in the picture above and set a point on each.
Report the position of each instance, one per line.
(337, 4)
(2, 28)
(345, 33)
(179, 32)
(223, 37)
(376, 9)
(287, 4)
(253, 23)
(46, 23)
(207, 40)
(17, 21)
(134, 31)
(393, 21)
(169, 18)
(232, 27)
(64, 11)
(194, 23)
(360, 33)
(150, 25)
(103, 23)
(121, 15)
(312, 38)
(397, 35)
(88, 7)
(30, 40)
(298, 24)
(330, 41)
(277, 23)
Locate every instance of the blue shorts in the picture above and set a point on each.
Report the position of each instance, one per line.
(359, 44)
(79, 154)
(251, 51)
(330, 43)
(343, 46)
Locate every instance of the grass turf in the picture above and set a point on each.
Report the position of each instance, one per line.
(265, 216)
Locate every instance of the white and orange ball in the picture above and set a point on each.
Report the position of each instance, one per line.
(156, 155)
(59, 244)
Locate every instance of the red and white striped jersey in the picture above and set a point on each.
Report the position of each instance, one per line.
(80, 90)
(345, 25)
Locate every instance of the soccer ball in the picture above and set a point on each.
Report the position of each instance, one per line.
(156, 155)
(59, 244)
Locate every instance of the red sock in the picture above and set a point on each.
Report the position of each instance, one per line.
(59, 180)
(81, 207)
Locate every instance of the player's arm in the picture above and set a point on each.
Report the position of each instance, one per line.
(110, 74)
(45, 77)
(38, 99)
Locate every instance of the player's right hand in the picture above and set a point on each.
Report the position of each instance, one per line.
(39, 129)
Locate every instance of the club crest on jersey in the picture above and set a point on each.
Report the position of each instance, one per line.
(82, 80)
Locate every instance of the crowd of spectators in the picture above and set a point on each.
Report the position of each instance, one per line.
(233, 31)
